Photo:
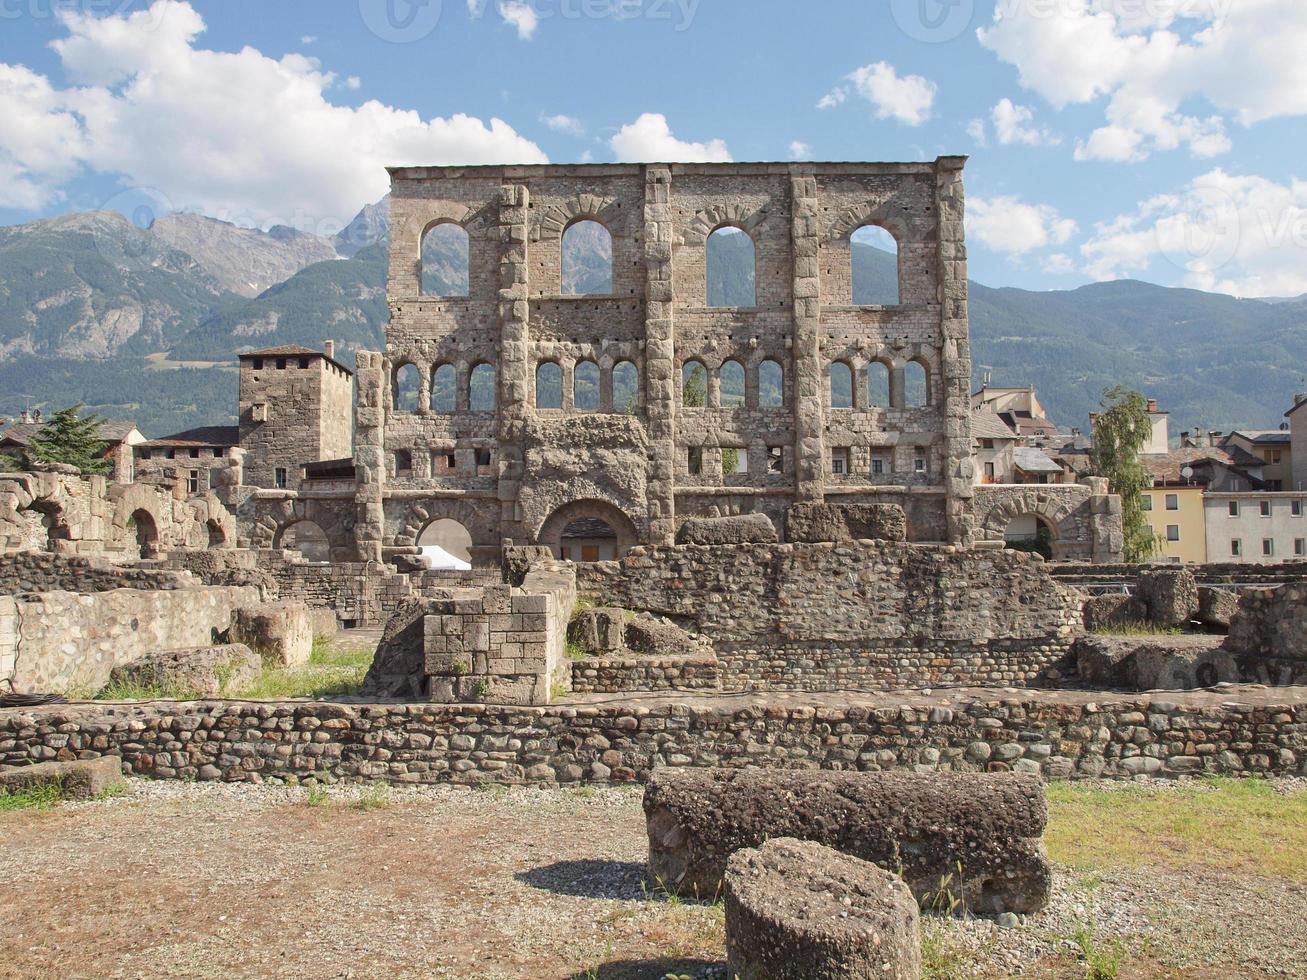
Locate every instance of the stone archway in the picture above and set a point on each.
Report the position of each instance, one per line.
(557, 524)
(1059, 509)
(142, 524)
(305, 536)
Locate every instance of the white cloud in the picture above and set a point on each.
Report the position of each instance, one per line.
(521, 16)
(587, 156)
(976, 130)
(908, 98)
(1244, 235)
(1242, 57)
(1009, 225)
(1059, 264)
(561, 123)
(800, 150)
(650, 140)
(308, 39)
(1012, 125)
(249, 137)
(353, 83)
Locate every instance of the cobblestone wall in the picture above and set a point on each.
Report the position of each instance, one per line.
(878, 615)
(1061, 734)
(39, 571)
(610, 675)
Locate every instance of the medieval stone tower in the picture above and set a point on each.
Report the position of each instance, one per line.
(518, 407)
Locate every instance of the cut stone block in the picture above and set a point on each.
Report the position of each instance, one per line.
(279, 631)
(79, 780)
(202, 671)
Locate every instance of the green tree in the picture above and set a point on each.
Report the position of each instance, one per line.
(71, 438)
(10, 464)
(1121, 430)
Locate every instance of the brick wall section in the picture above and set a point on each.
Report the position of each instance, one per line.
(870, 615)
(39, 571)
(1061, 734)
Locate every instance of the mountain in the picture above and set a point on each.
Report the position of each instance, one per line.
(371, 225)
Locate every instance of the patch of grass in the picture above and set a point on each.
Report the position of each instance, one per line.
(1224, 823)
(558, 690)
(375, 797)
(575, 651)
(1102, 960)
(330, 672)
(315, 795)
(40, 797)
(942, 956)
(1136, 628)
(121, 690)
(112, 791)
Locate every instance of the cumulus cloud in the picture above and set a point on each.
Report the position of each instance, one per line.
(1240, 234)
(353, 83)
(908, 98)
(249, 137)
(1059, 264)
(800, 150)
(1012, 124)
(1150, 60)
(976, 130)
(561, 123)
(650, 140)
(1008, 225)
(521, 17)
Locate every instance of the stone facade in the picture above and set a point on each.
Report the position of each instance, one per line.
(631, 673)
(1083, 519)
(1062, 734)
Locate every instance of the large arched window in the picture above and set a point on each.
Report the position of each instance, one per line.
(626, 387)
(730, 385)
(841, 385)
(874, 255)
(694, 385)
(878, 384)
(549, 385)
(916, 385)
(405, 388)
(729, 266)
(771, 384)
(444, 261)
(444, 389)
(585, 386)
(587, 261)
(481, 388)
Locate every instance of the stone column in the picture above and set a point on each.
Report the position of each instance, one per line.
(809, 423)
(369, 454)
(955, 350)
(660, 355)
(514, 356)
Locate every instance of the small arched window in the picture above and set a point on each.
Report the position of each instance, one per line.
(405, 388)
(878, 384)
(730, 385)
(841, 385)
(481, 388)
(585, 386)
(916, 385)
(626, 387)
(549, 385)
(444, 261)
(729, 267)
(444, 389)
(587, 260)
(694, 385)
(874, 256)
(771, 384)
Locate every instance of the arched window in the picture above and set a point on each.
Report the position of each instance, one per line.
(730, 385)
(587, 260)
(874, 255)
(444, 389)
(694, 385)
(730, 268)
(444, 261)
(446, 545)
(307, 538)
(481, 388)
(585, 386)
(916, 385)
(549, 385)
(771, 384)
(626, 387)
(406, 388)
(878, 384)
(841, 385)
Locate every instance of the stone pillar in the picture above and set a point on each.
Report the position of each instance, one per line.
(369, 454)
(809, 410)
(955, 351)
(660, 355)
(514, 356)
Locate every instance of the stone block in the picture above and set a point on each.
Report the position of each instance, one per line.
(598, 631)
(1116, 609)
(206, 672)
(83, 779)
(279, 631)
(1216, 607)
(797, 910)
(324, 623)
(735, 529)
(845, 522)
(1170, 595)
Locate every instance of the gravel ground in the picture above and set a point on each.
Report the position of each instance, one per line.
(220, 880)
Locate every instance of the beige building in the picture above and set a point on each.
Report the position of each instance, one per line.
(1297, 444)
(1275, 450)
(193, 455)
(1178, 519)
(1255, 528)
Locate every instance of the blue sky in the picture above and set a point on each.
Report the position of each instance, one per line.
(1154, 139)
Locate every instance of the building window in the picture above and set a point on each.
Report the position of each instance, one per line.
(841, 385)
(219, 453)
(1172, 501)
(735, 459)
(880, 465)
(193, 481)
(775, 459)
(145, 454)
(1275, 457)
(1268, 547)
(1295, 508)
(403, 461)
(195, 454)
(1234, 508)
(989, 472)
(1300, 546)
(279, 477)
(919, 462)
(304, 363)
(1173, 532)
(694, 460)
(839, 461)
(1236, 547)
(444, 463)
(483, 457)
(1145, 502)
(1264, 507)
(281, 364)
(258, 364)
(771, 384)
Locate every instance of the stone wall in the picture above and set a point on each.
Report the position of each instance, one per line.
(1059, 733)
(1084, 520)
(1271, 623)
(613, 675)
(870, 615)
(40, 571)
(64, 643)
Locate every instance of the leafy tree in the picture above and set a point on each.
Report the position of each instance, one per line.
(10, 464)
(1121, 430)
(694, 391)
(71, 438)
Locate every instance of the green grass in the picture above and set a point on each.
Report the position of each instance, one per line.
(1136, 628)
(315, 795)
(375, 797)
(121, 690)
(1241, 825)
(40, 797)
(575, 651)
(1102, 959)
(330, 672)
